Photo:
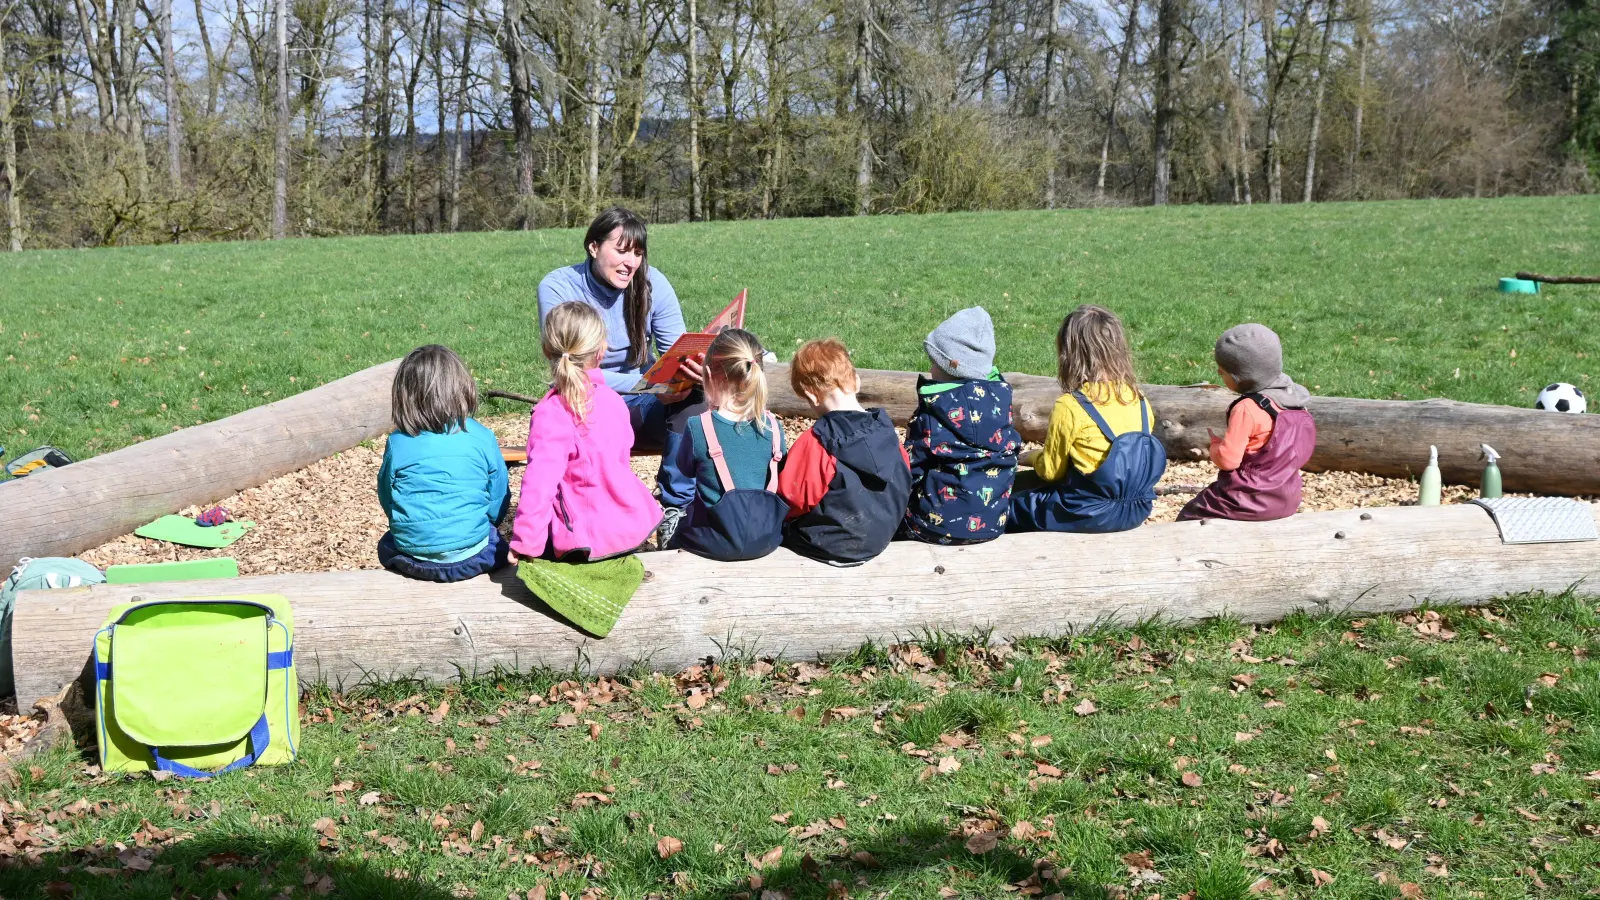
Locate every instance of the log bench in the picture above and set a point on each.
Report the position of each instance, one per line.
(352, 626)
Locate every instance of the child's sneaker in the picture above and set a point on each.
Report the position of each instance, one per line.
(671, 518)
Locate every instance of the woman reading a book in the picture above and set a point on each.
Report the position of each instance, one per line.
(640, 310)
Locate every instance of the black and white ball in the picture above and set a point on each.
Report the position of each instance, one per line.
(1561, 397)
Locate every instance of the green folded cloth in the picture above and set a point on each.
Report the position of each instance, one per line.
(590, 595)
(188, 532)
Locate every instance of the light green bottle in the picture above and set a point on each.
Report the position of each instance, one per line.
(1491, 474)
(1428, 491)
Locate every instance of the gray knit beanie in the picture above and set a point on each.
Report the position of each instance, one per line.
(1253, 355)
(963, 345)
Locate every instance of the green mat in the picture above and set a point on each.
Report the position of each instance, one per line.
(590, 595)
(189, 570)
(185, 531)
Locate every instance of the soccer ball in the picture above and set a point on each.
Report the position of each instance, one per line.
(1561, 397)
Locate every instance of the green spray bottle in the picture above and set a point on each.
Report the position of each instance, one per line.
(1490, 488)
(1428, 490)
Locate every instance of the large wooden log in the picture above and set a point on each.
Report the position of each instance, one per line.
(64, 511)
(1544, 452)
(355, 625)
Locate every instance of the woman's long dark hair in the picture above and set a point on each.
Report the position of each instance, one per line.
(636, 297)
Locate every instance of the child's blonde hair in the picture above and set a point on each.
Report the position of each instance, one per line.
(433, 391)
(735, 377)
(1092, 351)
(573, 337)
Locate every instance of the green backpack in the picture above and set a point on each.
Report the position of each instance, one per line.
(197, 687)
(44, 573)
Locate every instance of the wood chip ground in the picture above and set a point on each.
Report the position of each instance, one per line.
(325, 517)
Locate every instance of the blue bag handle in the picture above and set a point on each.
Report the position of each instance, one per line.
(260, 739)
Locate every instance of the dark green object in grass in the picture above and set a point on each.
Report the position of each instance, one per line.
(188, 570)
(590, 595)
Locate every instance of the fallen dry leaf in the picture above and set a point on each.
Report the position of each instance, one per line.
(1320, 878)
(767, 860)
(440, 713)
(1086, 708)
(668, 847)
(1192, 779)
(983, 842)
(1139, 859)
(370, 798)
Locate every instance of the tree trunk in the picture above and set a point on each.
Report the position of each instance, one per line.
(175, 122)
(521, 110)
(357, 626)
(591, 170)
(461, 109)
(9, 192)
(1269, 39)
(96, 52)
(441, 184)
(1241, 119)
(1166, 101)
(169, 76)
(1128, 34)
(1317, 92)
(384, 123)
(129, 112)
(213, 74)
(1052, 140)
(1363, 36)
(696, 186)
(280, 152)
(864, 30)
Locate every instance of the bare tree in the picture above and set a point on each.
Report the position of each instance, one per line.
(9, 188)
(1320, 85)
(1128, 34)
(521, 109)
(280, 147)
(1052, 36)
(696, 188)
(1166, 100)
(465, 70)
(1363, 16)
(864, 28)
(169, 73)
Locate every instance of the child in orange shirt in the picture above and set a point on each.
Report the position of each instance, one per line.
(1270, 434)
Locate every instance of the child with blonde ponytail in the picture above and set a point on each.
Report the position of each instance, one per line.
(580, 499)
(719, 477)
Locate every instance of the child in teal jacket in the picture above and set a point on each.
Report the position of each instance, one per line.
(443, 483)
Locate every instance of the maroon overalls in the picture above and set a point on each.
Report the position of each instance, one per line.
(1266, 485)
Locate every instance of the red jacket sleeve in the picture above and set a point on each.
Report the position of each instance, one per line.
(807, 471)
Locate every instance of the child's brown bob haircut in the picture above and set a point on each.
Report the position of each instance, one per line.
(821, 366)
(433, 392)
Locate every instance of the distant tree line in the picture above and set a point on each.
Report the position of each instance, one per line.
(126, 121)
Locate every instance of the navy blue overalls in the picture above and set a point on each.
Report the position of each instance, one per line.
(745, 523)
(1117, 496)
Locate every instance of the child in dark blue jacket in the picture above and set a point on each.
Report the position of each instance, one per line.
(443, 482)
(960, 441)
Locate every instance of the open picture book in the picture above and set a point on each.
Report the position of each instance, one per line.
(664, 377)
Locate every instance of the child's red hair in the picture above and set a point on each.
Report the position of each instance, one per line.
(821, 366)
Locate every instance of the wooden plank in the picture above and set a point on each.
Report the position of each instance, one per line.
(65, 511)
(355, 625)
(1542, 452)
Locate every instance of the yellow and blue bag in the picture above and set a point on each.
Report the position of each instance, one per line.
(197, 687)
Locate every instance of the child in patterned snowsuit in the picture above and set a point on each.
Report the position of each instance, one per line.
(961, 443)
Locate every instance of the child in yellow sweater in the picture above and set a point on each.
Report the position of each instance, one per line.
(1099, 466)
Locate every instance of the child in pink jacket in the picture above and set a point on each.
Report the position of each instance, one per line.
(580, 499)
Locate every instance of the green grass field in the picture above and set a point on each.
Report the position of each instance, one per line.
(1458, 759)
(105, 347)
